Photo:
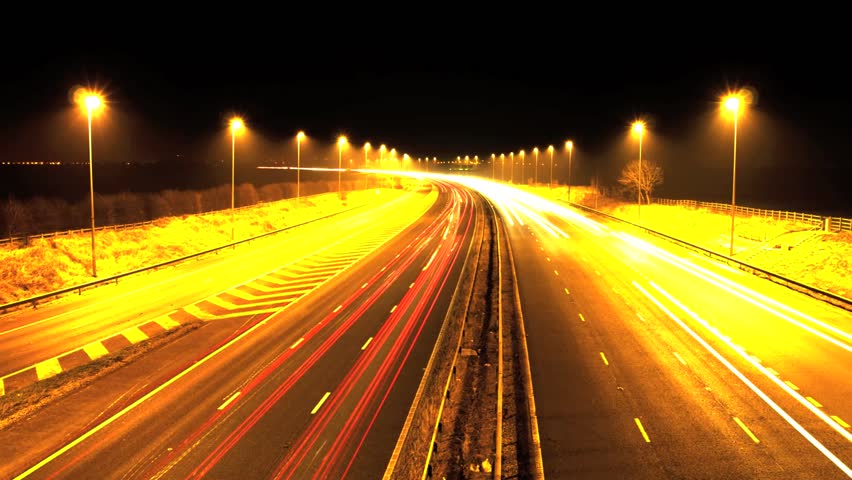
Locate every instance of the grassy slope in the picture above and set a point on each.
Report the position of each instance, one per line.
(53, 263)
(823, 261)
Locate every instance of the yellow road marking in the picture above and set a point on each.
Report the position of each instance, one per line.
(48, 368)
(680, 359)
(2, 388)
(642, 429)
(753, 357)
(95, 350)
(582, 318)
(367, 343)
(814, 402)
(202, 315)
(393, 309)
(319, 405)
(772, 371)
(833, 417)
(746, 430)
(297, 342)
(790, 384)
(228, 401)
(604, 359)
(134, 335)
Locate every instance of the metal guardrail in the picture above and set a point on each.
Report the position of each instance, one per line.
(832, 298)
(79, 288)
(125, 226)
(834, 224)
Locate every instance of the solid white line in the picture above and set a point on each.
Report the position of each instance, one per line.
(319, 405)
(763, 396)
(679, 358)
(228, 401)
(364, 347)
(296, 344)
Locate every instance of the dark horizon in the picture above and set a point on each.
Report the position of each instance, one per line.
(792, 143)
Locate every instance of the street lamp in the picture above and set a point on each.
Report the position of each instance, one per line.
(502, 167)
(569, 145)
(733, 103)
(523, 167)
(493, 166)
(382, 150)
(366, 152)
(535, 175)
(341, 142)
(511, 167)
(92, 102)
(550, 150)
(236, 125)
(299, 137)
(639, 129)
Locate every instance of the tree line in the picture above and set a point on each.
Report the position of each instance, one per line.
(24, 218)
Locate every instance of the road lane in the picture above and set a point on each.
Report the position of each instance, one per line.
(278, 373)
(661, 405)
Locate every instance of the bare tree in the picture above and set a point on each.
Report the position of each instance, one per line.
(643, 182)
(16, 217)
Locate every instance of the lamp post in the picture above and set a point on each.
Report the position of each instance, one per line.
(367, 147)
(92, 102)
(733, 103)
(639, 129)
(511, 167)
(550, 150)
(236, 125)
(569, 145)
(502, 167)
(299, 137)
(535, 169)
(523, 167)
(382, 150)
(493, 166)
(341, 142)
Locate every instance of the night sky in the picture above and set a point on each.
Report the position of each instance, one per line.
(475, 95)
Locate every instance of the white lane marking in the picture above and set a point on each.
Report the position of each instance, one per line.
(603, 357)
(746, 430)
(394, 308)
(365, 285)
(763, 396)
(642, 429)
(679, 358)
(364, 347)
(297, 342)
(567, 292)
(597, 273)
(640, 317)
(548, 259)
(319, 405)
(411, 286)
(557, 273)
(337, 309)
(582, 319)
(228, 401)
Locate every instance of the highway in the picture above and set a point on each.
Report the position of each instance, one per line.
(649, 361)
(112, 316)
(316, 387)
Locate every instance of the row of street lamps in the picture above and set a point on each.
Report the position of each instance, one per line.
(569, 146)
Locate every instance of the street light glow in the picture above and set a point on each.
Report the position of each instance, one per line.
(236, 124)
(93, 101)
(570, 145)
(638, 127)
(732, 102)
(300, 136)
(341, 141)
